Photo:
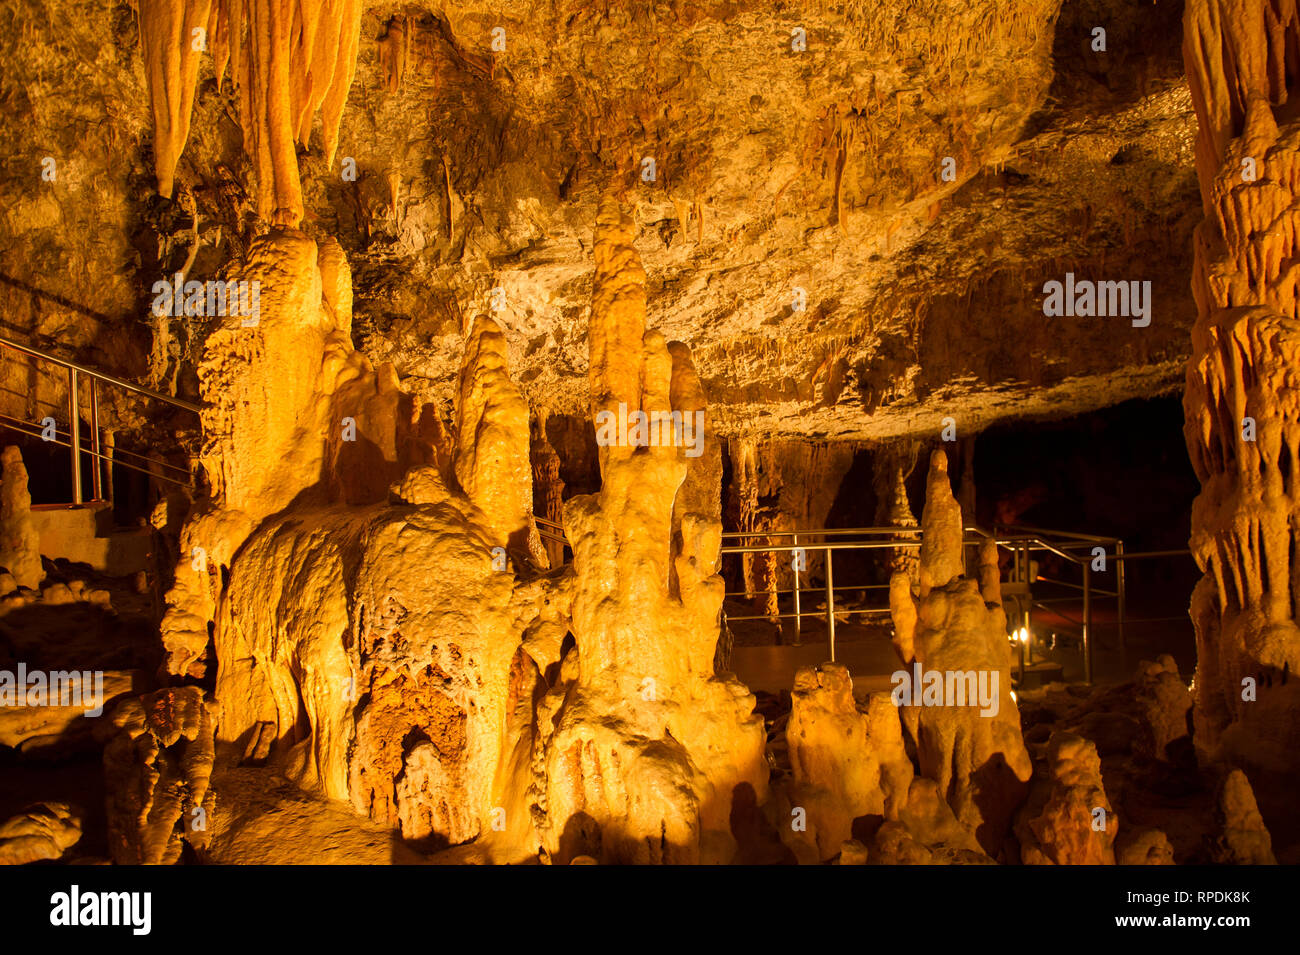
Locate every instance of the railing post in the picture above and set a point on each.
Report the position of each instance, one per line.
(1087, 619)
(74, 434)
(1120, 601)
(830, 604)
(798, 619)
(96, 474)
(1029, 605)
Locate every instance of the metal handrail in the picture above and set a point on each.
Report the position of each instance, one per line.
(75, 371)
(1020, 541)
(99, 375)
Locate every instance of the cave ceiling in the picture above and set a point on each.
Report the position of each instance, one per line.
(782, 177)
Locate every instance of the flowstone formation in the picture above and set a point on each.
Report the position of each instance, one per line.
(157, 771)
(954, 627)
(1242, 415)
(645, 747)
(363, 635)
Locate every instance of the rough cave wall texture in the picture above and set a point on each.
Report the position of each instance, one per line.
(1240, 405)
(776, 169)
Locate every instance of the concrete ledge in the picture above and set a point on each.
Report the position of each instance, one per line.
(83, 534)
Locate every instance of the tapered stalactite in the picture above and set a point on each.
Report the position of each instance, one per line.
(1241, 405)
(172, 40)
(289, 60)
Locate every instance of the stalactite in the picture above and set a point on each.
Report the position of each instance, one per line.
(171, 53)
(289, 60)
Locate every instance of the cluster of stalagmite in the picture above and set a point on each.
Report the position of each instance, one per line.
(954, 624)
(1242, 412)
(847, 763)
(289, 59)
(645, 747)
(292, 413)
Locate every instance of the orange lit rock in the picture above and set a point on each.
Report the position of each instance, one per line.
(955, 625)
(1242, 415)
(39, 833)
(847, 763)
(1068, 819)
(156, 772)
(20, 542)
(1244, 839)
(645, 751)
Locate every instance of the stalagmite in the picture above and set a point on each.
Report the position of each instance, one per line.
(955, 626)
(1243, 839)
(1163, 701)
(847, 763)
(19, 540)
(1068, 820)
(492, 458)
(1242, 414)
(644, 748)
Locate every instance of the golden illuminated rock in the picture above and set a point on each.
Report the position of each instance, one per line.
(1068, 819)
(848, 763)
(156, 772)
(955, 627)
(1242, 414)
(20, 542)
(172, 41)
(1244, 840)
(644, 751)
(41, 832)
(491, 459)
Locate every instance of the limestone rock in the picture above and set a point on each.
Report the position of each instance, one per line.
(1068, 819)
(647, 746)
(1143, 847)
(20, 542)
(1244, 839)
(1164, 701)
(926, 833)
(39, 833)
(955, 626)
(847, 763)
(1242, 415)
(492, 460)
(156, 771)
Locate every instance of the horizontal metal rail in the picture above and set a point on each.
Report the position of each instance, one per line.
(99, 375)
(75, 372)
